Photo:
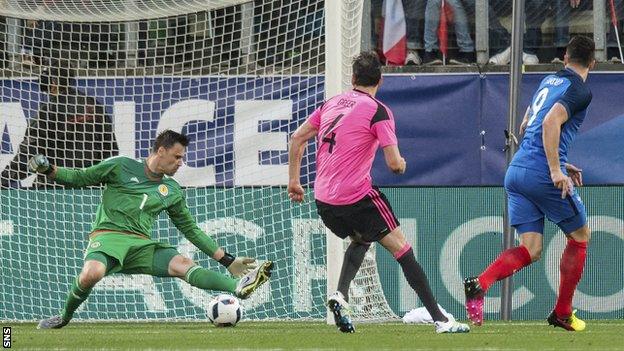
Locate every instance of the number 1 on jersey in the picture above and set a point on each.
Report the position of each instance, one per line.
(143, 202)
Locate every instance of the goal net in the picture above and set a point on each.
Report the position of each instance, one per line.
(86, 80)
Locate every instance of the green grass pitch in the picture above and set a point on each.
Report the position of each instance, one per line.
(534, 335)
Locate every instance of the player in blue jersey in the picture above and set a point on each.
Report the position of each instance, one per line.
(540, 183)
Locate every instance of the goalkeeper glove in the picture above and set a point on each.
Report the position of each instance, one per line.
(238, 266)
(40, 164)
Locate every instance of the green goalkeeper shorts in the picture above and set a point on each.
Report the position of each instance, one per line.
(134, 255)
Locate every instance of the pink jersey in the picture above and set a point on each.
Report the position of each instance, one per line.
(351, 126)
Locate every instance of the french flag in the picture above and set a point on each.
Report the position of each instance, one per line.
(394, 33)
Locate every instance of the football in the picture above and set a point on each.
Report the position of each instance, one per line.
(224, 311)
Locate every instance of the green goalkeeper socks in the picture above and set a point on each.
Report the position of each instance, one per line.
(199, 277)
(75, 297)
(209, 280)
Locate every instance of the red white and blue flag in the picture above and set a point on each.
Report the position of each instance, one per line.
(394, 33)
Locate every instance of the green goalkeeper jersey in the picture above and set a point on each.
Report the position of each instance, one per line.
(131, 202)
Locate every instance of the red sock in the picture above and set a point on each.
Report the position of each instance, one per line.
(508, 262)
(571, 268)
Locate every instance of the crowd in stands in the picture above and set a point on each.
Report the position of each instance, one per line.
(548, 25)
(547, 29)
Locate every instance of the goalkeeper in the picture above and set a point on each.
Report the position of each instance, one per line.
(136, 192)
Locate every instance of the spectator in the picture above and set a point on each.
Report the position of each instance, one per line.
(72, 129)
(561, 13)
(414, 26)
(462, 33)
(27, 51)
(613, 52)
(41, 41)
(98, 42)
(562, 10)
(535, 15)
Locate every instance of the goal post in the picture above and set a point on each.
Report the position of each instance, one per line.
(87, 80)
(343, 31)
(335, 74)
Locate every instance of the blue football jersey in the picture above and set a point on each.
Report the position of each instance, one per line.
(567, 88)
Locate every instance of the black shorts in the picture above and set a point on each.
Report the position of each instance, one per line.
(369, 219)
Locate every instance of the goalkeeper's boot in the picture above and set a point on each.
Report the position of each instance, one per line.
(451, 326)
(252, 280)
(340, 309)
(474, 300)
(55, 322)
(572, 323)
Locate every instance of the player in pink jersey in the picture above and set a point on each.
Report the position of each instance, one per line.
(350, 127)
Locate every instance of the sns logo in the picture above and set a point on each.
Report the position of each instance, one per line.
(6, 337)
